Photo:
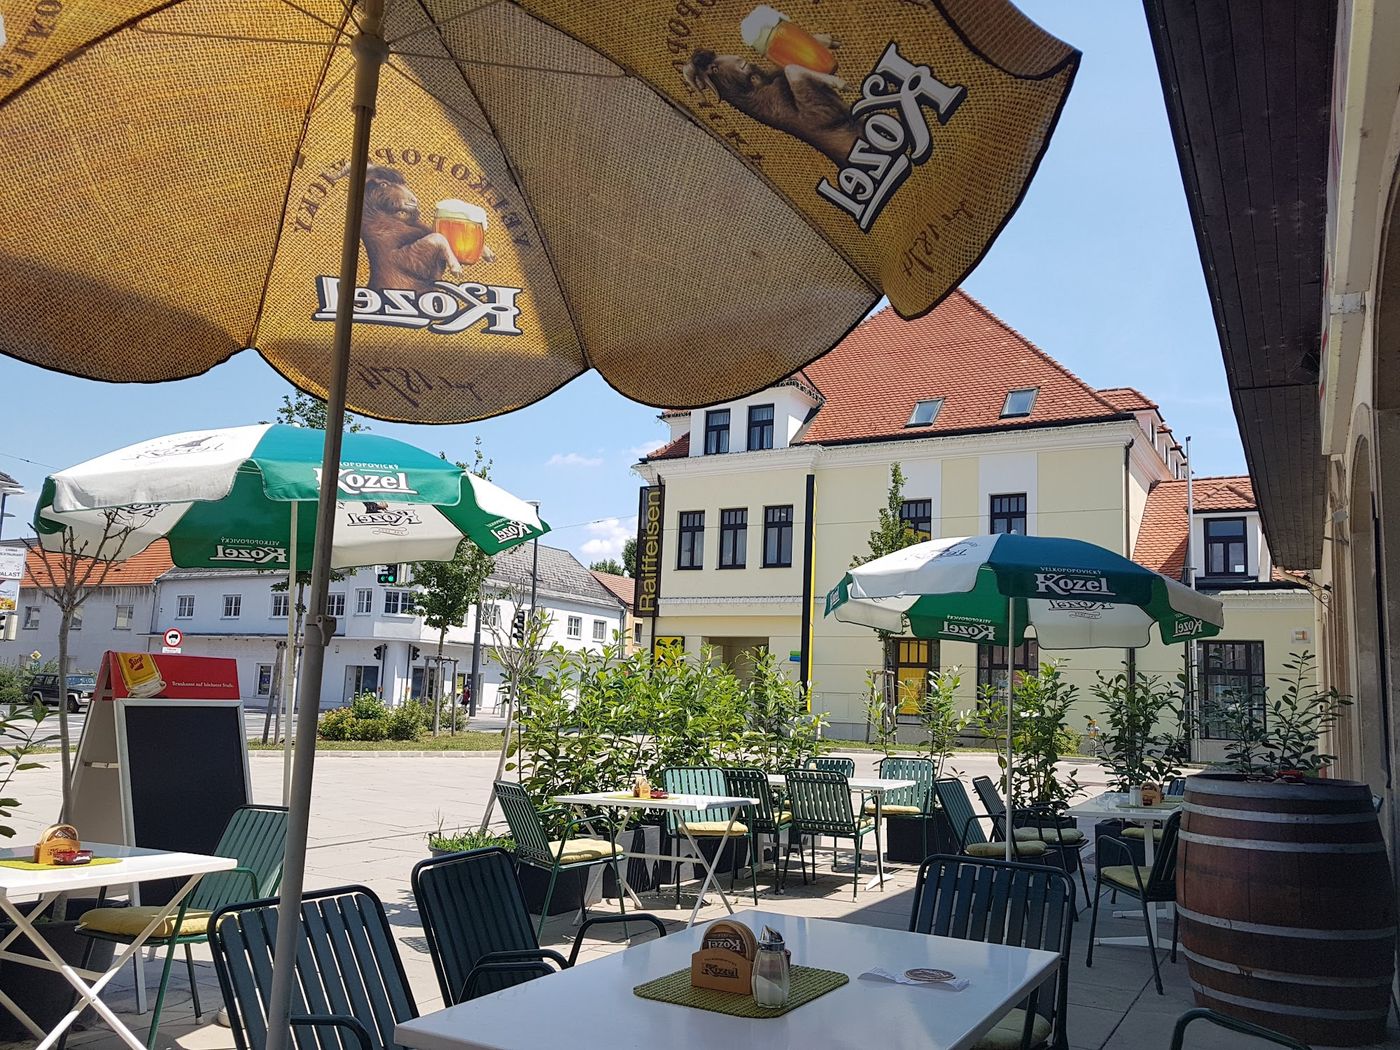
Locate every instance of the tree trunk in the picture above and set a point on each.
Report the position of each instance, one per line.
(65, 759)
(437, 686)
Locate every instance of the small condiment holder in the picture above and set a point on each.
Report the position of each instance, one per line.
(724, 962)
(57, 845)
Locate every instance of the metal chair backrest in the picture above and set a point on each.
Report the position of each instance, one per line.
(523, 819)
(831, 764)
(1232, 1024)
(471, 905)
(996, 902)
(691, 780)
(256, 837)
(821, 802)
(954, 801)
(751, 782)
(1175, 786)
(348, 969)
(919, 770)
(989, 796)
(1160, 884)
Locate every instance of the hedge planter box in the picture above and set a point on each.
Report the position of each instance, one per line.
(905, 842)
(46, 996)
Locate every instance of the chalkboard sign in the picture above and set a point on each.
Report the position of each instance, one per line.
(185, 771)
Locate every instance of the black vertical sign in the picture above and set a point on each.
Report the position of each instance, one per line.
(651, 513)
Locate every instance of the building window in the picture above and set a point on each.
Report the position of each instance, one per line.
(280, 604)
(264, 679)
(690, 552)
(1019, 403)
(398, 603)
(1227, 554)
(760, 427)
(125, 614)
(575, 626)
(925, 412)
(716, 431)
(490, 616)
(909, 661)
(917, 516)
(637, 633)
(75, 622)
(31, 617)
(1231, 673)
(1008, 514)
(600, 630)
(777, 537)
(233, 606)
(733, 538)
(991, 664)
(184, 606)
(364, 601)
(335, 604)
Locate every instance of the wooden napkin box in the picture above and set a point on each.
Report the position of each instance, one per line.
(58, 838)
(725, 959)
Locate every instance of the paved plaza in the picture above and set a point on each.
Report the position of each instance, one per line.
(369, 821)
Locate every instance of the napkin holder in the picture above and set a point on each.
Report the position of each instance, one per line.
(724, 962)
(57, 838)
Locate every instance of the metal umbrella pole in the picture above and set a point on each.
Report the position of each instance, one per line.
(1010, 739)
(370, 53)
(289, 663)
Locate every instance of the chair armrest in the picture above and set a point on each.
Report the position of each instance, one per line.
(1119, 844)
(538, 967)
(252, 877)
(640, 916)
(350, 1024)
(1234, 1025)
(962, 835)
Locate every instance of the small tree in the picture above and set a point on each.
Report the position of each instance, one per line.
(520, 658)
(69, 575)
(629, 557)
(611, 565)
(304, 410)
(939, 718)
(893, 533)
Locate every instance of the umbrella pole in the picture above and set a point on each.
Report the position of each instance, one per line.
(370, 52)
(1010, 740)
(289, 662)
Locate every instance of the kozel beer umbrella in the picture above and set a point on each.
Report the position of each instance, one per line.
(992, 589)
(695, 197)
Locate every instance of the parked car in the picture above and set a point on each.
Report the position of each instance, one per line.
(44, 687)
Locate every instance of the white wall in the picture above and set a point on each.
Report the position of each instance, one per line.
(98, 633)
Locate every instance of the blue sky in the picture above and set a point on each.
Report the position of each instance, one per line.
(1099, 268)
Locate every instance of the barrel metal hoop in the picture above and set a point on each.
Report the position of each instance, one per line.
(1287, 978)
(1285, 1009)
(1275, 846)
(1301, 933)
(1280, 818)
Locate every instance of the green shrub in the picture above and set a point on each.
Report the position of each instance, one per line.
(370, 729)
(337, 724)
(368, 705)
(406, 722)
(464, 840)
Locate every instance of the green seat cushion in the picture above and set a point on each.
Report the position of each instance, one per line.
(715, 827)
(129, 922)
(1138, 833)
(1121, 875)
(1055, 836)
(891, 809)
(997, 850)
(1027, 834)
(575, 851)
(1006, 1035)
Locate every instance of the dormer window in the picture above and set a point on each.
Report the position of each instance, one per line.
(716, 431)
(1227, 553)
(925, 412)
(1019, 403)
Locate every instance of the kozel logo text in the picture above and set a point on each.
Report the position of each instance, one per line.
(445, 310)
(511, 530)
(973, 632)
(354, 482)
(890, 143)
(1058, 583)
(386, 518)
(1186, 627)
(266, 555)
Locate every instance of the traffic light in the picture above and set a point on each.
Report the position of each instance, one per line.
(517, 627)
(379, 652)
(413, 657)
(389, 573)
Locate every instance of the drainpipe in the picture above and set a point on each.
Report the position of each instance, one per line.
(1188, 573)
(1130, 654)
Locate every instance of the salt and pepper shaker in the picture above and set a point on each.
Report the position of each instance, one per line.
(771, 970)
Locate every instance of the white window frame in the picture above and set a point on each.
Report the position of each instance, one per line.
(117, 624)
(257, 679)
(75, 622)
(284, 600)
(403, 601)
(575, 627)
(31, 617)
(181, 612)
(237, 600)
(600, 630)
(364, 601)
(490, 616)
(335, 604)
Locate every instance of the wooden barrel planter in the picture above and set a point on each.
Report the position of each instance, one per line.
(1287, 905)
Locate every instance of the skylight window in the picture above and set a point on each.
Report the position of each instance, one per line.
(925, 412)
(1019, 402)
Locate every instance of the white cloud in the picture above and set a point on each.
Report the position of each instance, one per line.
(606, 538)
(573, 459)
(646, 448)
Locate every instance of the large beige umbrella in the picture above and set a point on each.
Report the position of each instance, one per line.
(695, 197)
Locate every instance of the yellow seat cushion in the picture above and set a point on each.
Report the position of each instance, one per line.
(1121, 875)
(715, 827)
(997, 850)
(129, 922)
(1138, 833)
(1055, 836)
(578, 850)
(891, 809)
(1028, 835)
(1006, 1034)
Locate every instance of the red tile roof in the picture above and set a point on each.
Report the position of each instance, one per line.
(1161, 541)
(139, 570)
(624, 587)
(678, 449)
(1128, 398)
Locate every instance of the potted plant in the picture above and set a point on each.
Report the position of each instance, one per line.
(1041, 738)
(442, 842)
(939, 723)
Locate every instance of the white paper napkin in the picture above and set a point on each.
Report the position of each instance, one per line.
(957, 984)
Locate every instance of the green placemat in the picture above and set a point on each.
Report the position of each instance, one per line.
(807, 983)
(29, 865)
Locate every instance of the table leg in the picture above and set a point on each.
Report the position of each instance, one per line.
(621, 834)
(709, 866)
(879, 879)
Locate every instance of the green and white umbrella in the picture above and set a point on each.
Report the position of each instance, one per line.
(992, 589)
(227, 499)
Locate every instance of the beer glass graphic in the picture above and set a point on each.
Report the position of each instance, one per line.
(464, 226)
(781, 40)
(140, 674)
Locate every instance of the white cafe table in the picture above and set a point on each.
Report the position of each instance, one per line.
(717, 804)
(592, 1005)
(133, 866)
(876, 788)
(1113, 805)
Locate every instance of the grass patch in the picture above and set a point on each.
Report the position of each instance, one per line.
(466, 740)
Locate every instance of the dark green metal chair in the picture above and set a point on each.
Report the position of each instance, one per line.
(1155, 886)
(350, 989)
(256, 837)
(570, 852)
(821, 805)
(911, 803)
(832, 764)
(1232, 1024)
(967, 825)
(478, 930)
(706, 780)
(1037, 823)
(1021, 905)
(767, 818)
